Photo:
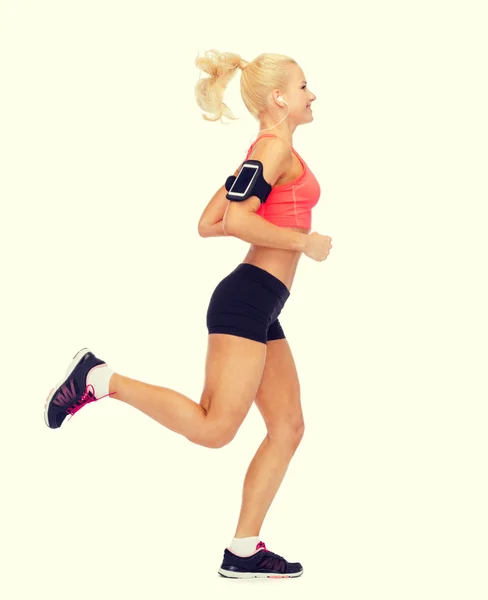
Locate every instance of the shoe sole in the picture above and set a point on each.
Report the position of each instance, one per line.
(236, 575)
(76, 359)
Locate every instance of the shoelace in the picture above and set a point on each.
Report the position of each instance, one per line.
(263, 545)
(271, 560)
(87, 397)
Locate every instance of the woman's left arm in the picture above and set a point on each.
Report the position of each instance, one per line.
(215, 230)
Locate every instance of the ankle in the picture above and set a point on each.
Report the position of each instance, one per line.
(244, 546)
(99, 378)
(112, 386)
(246, 534)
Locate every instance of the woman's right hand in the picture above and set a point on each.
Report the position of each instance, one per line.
(318, 246)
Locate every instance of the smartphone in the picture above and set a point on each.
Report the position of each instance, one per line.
(244, 180)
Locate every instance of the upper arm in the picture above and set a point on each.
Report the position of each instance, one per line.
(275, 156)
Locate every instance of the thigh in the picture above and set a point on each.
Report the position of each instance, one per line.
(233, 370)
(278, 396)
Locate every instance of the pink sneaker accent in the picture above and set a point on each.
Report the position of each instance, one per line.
(65, 394)
(261, 545)
(87, 397)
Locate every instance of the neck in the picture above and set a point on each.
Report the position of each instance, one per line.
(284, 130)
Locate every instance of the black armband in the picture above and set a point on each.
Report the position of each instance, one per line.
(249, 182)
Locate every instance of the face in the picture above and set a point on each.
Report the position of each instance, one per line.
(298, 96)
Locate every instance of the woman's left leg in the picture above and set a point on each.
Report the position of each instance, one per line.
(278, 400)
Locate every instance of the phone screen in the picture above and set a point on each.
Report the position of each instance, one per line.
(241, 183)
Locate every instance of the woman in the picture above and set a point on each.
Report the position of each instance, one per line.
(248, 357)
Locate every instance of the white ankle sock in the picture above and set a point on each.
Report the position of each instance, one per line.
(244, 546)
(99, 378)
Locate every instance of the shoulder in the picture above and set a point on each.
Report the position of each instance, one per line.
(272, 142)
(272, 147)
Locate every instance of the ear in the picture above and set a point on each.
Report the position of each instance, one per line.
(275, 96)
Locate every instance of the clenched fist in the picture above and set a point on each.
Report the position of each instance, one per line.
(318, 246)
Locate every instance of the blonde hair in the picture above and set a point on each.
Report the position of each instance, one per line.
(265, 73)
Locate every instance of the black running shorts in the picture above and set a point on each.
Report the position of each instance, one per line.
(247, 303)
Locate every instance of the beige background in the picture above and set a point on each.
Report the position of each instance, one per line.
(106, 166)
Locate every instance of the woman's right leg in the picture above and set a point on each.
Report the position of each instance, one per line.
(233, 371)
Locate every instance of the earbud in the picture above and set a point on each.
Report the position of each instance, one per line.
(282, 99)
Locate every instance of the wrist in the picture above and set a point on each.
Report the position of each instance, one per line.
(301, 241)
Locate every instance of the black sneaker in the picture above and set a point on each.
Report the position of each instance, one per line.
(263, 563)
(72, 392)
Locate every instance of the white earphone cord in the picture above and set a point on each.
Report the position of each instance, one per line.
(279, 98)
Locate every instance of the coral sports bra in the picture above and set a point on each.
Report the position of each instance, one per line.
(290, 204)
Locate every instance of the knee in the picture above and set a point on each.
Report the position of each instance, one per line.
(216, 436)
(220, 440)
(297, 432)
(289, 433)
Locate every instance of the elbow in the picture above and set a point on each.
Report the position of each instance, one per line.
(202, 230)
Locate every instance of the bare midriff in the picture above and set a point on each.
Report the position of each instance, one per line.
(280, 263)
